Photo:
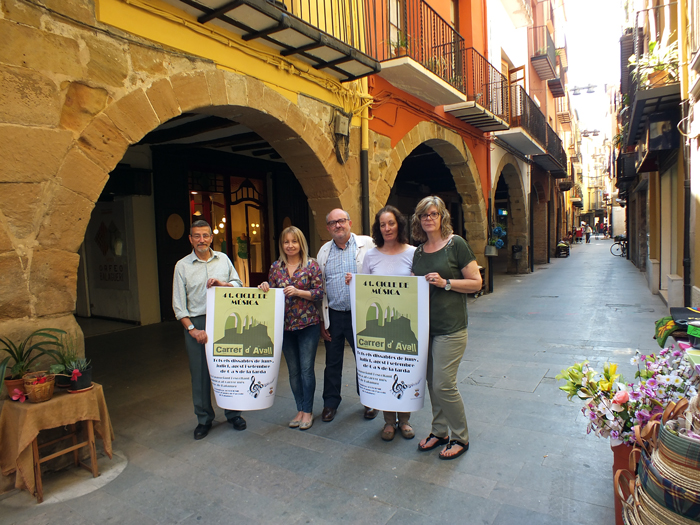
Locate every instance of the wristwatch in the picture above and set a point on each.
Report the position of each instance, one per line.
(448, 286)
(191, 327)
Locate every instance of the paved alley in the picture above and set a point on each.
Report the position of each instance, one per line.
(530, 460)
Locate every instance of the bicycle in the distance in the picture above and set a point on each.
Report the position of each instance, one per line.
(619, 247)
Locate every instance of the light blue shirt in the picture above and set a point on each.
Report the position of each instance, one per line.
(190, 282)
(339, 263)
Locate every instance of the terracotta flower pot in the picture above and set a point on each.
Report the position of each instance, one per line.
(12, 384)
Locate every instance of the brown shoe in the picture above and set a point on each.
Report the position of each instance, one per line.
(328, 414)
(407, 431)
(388, 432)
(370, 413)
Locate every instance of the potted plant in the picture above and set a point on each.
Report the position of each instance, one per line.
(657, 67)
(64, 357)
(400, 46)
(495, 241)
(613, 408)
(45, 341)
(81, 374)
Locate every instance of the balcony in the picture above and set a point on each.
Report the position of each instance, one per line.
(566, 184)
(486, 89)
(654, 76)
(519, 11)
(557, 84)
(542, 52)
(563, 108)
(419, 51)
(326, 36)
(554, 160)
(528, 126)
(626, 171)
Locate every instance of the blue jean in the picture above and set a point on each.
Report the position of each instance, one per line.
(299, 349)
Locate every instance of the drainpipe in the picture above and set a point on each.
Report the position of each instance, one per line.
(364, 161)
(685, 150)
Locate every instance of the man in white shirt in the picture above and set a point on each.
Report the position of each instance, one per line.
(201, 269)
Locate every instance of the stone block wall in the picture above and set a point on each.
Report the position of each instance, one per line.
(74, 94)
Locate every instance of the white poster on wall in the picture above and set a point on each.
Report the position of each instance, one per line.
(390, 318)
(245, 327)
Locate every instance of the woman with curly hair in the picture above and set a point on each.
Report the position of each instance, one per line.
(392, 256)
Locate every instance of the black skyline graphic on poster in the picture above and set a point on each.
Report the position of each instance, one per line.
(244, 337)
(387, 330)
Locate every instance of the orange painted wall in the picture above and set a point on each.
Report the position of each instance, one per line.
(472, 24)
(395, 113)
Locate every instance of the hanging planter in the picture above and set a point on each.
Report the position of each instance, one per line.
(490, 251)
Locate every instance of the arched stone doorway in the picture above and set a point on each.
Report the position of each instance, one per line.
(430, 139)
(509, 209)
(46, 210)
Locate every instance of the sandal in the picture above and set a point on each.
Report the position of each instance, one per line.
(407, 431)
(452, 443)
(439, 442)
(388, 432)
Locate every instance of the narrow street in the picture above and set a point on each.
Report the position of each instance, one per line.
(530, 460)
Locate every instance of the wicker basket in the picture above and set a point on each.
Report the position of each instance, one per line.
(39, 392)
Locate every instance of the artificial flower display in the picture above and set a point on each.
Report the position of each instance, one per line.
(613, 407)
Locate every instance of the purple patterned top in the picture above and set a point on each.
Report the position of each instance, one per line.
(298, 313)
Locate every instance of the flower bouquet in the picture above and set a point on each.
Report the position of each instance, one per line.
(613, 407)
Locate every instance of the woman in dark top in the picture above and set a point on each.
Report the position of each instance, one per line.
(449, 266)
(300, 277)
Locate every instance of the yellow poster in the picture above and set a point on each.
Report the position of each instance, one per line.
(245, 327)
(390, 320)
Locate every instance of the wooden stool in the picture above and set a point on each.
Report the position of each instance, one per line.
(73, 436)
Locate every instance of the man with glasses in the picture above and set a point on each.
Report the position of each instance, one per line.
(201, 269)
(342, 255)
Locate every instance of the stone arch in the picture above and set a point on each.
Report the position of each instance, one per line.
(458, 159)
(518, 224)
(42, 231)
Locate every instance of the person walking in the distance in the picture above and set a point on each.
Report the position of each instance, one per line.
(201, 269)
(341, 255)
(588, 231)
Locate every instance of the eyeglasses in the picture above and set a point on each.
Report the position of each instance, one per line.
(432, 216)
(339, 222)
(199, 236)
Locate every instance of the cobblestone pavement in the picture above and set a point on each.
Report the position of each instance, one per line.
(530, 460)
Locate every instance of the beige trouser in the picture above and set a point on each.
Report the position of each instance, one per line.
(390, 417)
(444, 355)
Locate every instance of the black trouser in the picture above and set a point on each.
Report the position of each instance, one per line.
(340, 331)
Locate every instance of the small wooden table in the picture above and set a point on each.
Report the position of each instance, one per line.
(20, 424)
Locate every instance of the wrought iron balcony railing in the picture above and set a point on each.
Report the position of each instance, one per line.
(542, 52)
(341, 19)
(417, 32)
(555, 149)
(525, 114)
(420, 33)
(485, 85)
(655, 63)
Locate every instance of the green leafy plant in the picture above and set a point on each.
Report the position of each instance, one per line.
(402, 44)
(81, 364)
(658, 58)
(65, 356)
(46, 341)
